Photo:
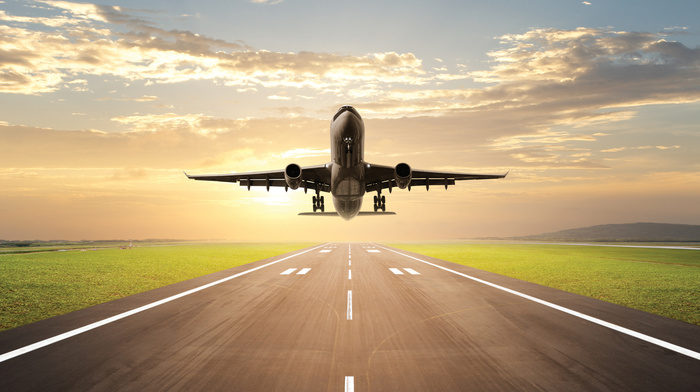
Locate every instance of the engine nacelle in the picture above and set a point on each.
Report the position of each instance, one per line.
(292, 174)
(402, 175)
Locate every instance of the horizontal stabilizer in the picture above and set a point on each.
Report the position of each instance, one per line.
(361, 213)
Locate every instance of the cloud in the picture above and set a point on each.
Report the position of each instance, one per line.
(620, 149)
(87, 39)
(267, 2)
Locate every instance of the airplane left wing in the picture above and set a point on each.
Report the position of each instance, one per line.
(382, 177)
(311, 177)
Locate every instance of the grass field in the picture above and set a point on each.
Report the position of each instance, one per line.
(36, 286)
(660, 281)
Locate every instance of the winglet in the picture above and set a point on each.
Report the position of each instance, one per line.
(188, 176)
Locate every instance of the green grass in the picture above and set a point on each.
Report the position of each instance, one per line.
(659, 281)
(36, 286)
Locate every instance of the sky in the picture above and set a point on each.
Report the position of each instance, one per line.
(592, 107)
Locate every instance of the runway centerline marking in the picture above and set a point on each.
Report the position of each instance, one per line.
(349, 384)
(349, 304)
(349, 274)
(97, 324)
(615, 327)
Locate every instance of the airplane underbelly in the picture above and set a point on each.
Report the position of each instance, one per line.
(347, 188)
(347, 206)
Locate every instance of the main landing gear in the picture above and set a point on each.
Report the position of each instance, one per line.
(379, 202)
(318, 203)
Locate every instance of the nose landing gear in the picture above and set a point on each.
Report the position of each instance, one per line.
(379, 202)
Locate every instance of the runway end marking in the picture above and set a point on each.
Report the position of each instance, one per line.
(349, 304)
(349, 384)
(304, 271)
(614, 327)
(289, 271)
(97, 324)
(396, 271)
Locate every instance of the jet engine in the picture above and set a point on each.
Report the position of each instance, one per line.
(402, 175)
(292, 174)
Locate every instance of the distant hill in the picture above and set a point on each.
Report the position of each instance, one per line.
(631, 232)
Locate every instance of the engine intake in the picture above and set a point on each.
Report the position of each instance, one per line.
(292, 174)
(402, 175)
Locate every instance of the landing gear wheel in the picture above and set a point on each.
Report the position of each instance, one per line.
(379, 202)
(318, 203)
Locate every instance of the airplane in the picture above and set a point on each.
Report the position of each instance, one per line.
(347, 176)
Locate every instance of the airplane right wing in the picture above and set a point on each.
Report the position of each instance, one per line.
(382, 177)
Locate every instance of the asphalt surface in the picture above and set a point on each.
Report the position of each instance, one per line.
(358, 317)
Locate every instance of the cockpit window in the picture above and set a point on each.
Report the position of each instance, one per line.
(346, 108)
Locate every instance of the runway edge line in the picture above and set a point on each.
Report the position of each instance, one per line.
(615, 327)
(97, 324)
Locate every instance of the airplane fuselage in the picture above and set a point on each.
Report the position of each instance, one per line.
(347, 162)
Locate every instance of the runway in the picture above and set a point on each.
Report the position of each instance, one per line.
(352, 317)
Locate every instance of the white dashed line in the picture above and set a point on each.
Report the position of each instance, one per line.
(411, 271)
(396, 271)
(304, 271)
(289, 271)
(349, 274)
(349, 384)
(373, 251)
(349, 304)
(325, 251)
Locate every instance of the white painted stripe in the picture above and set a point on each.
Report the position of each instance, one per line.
(373, 250)
(349, 384)
(626, 331)
(411, 271)
(349, 304)
(396, 271)
(349, 262)
(304, 271)
(349, 274)
(325, 251)
(78, 331)
(289, 271)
